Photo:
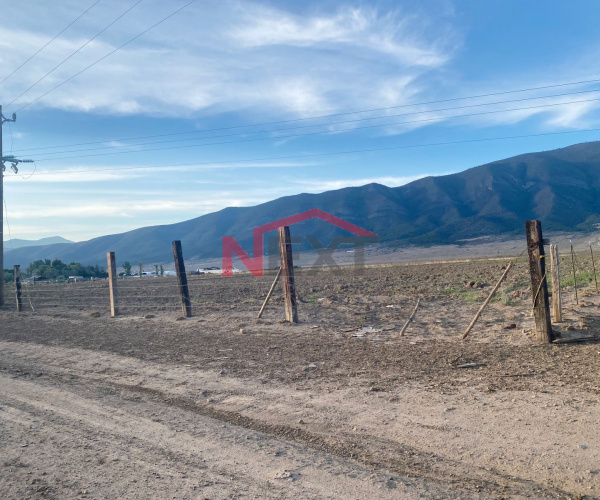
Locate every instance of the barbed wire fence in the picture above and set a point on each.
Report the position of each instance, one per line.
(162, 293)
(319, 286)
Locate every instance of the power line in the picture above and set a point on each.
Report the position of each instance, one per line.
(581, 82)
(315, 155)
(31, 174)
(73, 53)
(107, 55)
(51, 40)
(119, 146)
(289, 136)
(8, 225)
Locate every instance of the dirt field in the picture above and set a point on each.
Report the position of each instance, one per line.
(221, 405)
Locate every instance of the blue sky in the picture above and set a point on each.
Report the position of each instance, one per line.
(223, 93)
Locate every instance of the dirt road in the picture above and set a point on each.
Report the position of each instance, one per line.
(158, 407)
(68, 433)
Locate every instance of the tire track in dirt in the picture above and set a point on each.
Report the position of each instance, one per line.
(399, 458)
(165, 456)
(370, 450)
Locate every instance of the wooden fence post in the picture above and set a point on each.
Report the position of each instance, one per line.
(539, 286)
(112, 283)
(287, 274)
(555, 272)
(17, 273)
(186, 305)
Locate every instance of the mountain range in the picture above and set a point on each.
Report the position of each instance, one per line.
(560, 187)
(50, 240)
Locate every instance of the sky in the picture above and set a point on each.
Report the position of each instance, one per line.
(145, 112)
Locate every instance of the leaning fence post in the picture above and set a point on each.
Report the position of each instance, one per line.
(287, 274)
(594, 266)
(112, 283)
(539, 286)
(262, 309)
(410, 318)
(186, 305)
(555, 272)
(483, 306)
(17, 273)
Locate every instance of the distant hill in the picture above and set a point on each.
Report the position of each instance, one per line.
(16, 243)
(559, 187)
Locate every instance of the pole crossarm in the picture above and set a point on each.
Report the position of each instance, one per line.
(14, 162)
(13, 118)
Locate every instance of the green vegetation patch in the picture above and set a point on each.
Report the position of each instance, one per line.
(582, 278)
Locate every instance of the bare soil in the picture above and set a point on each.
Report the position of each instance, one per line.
(221, 405)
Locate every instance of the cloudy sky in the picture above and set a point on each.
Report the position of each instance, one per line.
(236, 102)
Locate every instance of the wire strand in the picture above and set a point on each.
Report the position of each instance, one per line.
(31, 174)
(317, 155)
(50, 41)
(120, 146)
(74, 53)
(11, 136)
(321, 117)
(581, 82)
(290, 136)
(107, 55)
(7, 226)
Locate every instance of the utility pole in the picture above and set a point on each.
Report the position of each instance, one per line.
(14, 162)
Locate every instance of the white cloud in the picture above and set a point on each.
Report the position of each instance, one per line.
(193, 202)
(573, 115)
(74, 176)
(225, 56)
(392, 34)
(66, 211)
(318, 186)
(78, 209)
(12, 134)
(555, 112)
(114, 173)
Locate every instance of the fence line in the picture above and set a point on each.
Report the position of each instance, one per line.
(243, 291)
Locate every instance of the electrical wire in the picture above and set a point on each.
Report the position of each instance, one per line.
(7, 225)
(321, 117)
(75, 52)
(119, 146)
(316, 155)
(31, 174)
(105, 56)
(51, 40)
(11, 135)
(290, 136)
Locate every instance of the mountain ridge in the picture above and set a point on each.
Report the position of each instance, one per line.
(16, 243)
(561, 187)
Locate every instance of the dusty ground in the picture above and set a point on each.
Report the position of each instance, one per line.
(221, 405)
